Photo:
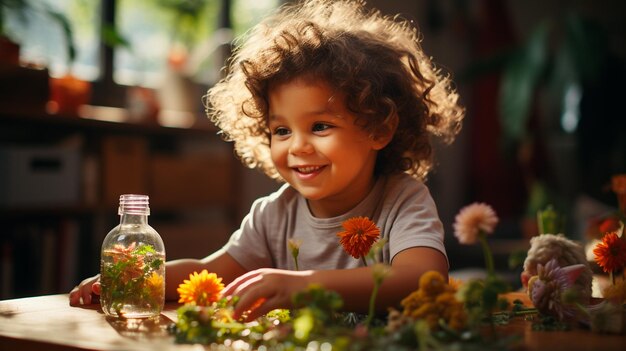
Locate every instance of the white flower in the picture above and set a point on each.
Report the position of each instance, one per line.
(473, 219)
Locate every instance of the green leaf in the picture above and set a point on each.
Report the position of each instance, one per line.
(114, 38)
(587, 45)
(518, 85)
(67, 31)
(143, 250)
(303, 324)
(517, 258)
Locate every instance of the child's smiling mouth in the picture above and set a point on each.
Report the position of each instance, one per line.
(307, 170)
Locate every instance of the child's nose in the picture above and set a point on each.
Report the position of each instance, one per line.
(300, 145)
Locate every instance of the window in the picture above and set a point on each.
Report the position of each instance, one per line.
(44, 43)
(180, 35)
(160, 32)
(247, 13)
(157, 33)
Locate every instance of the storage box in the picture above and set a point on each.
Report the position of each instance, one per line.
(38, 176)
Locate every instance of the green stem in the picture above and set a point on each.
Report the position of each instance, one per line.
(517, 313)
(612, 277)
(295, 260)
(526, 312)
(364, 261)
(370, 314)
(487, 253)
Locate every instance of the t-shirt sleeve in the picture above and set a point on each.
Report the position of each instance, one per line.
(248, 244)
(416, 221)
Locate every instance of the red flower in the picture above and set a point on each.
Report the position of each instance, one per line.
(610, 254)
(359, 235)
(608, 225)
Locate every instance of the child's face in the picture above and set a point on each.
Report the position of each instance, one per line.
(317, 148)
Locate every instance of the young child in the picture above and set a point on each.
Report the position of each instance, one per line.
(340, 103)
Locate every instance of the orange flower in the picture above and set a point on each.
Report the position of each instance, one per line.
(359, 235)
(454, 283)
(200, 289)
(122, 253)
(610, 254)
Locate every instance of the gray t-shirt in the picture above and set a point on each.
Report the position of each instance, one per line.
(400, 205)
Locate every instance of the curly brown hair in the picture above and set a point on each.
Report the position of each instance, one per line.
(375, 60)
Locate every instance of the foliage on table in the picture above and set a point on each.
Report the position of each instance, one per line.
(316, 324)
(438, 315)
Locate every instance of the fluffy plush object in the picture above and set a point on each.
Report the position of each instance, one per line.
(545, 247)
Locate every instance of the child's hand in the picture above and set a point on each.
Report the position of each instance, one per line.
(86, 292)
(265, 289)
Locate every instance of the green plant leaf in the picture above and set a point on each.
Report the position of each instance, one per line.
(303, 325)
(518, 84)
(66, 26)
(113, 38)
(587, 46)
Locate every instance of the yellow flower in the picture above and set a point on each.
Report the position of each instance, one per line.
(432, 283)
(435, 300)
(359, 235)
(155, 285)
(616, 293)
(380, 271)
(294, 247)
(200, 289)
(455, 283)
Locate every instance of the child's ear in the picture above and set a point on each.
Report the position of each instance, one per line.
(385, 133)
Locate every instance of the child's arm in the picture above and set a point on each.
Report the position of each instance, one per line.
(354, 285)
(176, 271)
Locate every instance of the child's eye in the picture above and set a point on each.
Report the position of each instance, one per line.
(281, 131)
(320, 127)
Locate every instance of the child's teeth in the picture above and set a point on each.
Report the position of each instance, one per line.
(307, 169)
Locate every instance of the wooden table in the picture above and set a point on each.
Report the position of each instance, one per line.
(49, 323)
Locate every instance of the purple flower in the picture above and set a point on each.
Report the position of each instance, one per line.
(546, 289)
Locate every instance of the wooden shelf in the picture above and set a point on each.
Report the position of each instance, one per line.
(63, 175)
(202, 127)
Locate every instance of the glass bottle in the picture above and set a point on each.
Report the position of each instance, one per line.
(132, 264)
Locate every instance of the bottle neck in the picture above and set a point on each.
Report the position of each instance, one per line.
(126, 218)
(133, 209)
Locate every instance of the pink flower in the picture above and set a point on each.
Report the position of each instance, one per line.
(473, 219)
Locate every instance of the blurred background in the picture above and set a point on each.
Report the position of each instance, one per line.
(104, 97)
